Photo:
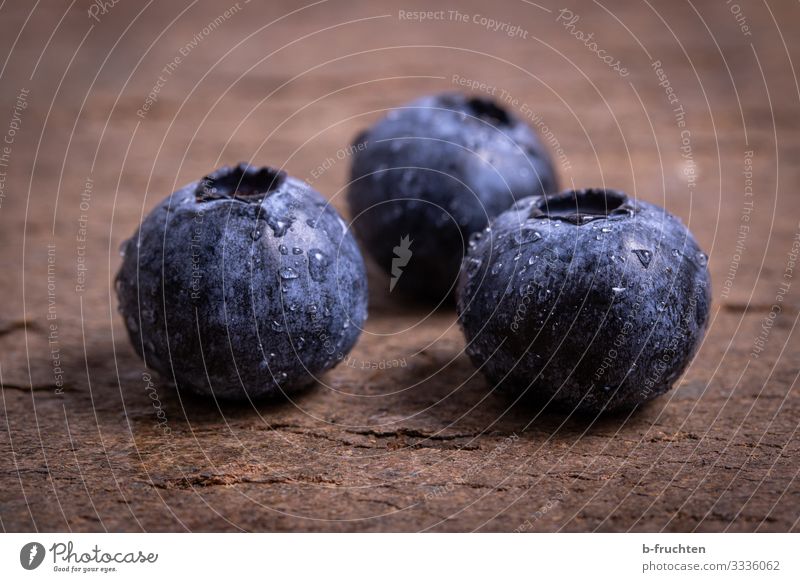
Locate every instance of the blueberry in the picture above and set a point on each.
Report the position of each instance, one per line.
(587, 298)
(244, 284)
(431, 173)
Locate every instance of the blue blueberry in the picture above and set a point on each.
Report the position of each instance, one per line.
(244, 284)
(588, 299)
(430, 174)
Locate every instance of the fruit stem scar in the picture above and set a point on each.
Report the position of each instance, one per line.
(488, 110)
(242, 182)
(583, 206)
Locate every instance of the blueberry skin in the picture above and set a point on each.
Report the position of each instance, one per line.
(245, 284)
(587, 299)
(437, 170)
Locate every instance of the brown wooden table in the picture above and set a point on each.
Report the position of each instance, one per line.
(107, 111)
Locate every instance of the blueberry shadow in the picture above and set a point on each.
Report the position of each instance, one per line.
(455, 397)
(196, 408)
(440, 391)
(146, 397)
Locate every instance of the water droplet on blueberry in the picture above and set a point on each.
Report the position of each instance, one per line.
(279, 226)
(288, 273)
(317, 264)
(644, 256)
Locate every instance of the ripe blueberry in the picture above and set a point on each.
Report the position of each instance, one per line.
(244, 284)
(431, 173)
(587, 298)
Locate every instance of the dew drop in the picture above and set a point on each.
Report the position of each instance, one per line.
(133, 324)
(288, 273)
(317, 264)
(473, 265)
(283, 250)
(644, 256)
(279, 226)
(297, 251)
(474, 238)
(527, 236)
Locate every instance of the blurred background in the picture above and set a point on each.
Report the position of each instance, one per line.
(107, 107)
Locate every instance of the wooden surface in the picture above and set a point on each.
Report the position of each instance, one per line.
(420, 446)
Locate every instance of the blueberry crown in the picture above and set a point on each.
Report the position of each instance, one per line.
(583, 206)
(480, 107)
(242, 182)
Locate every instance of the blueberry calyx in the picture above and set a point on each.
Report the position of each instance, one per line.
(583, 206)
(478, 107)
(242, 182)
(488, 110)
